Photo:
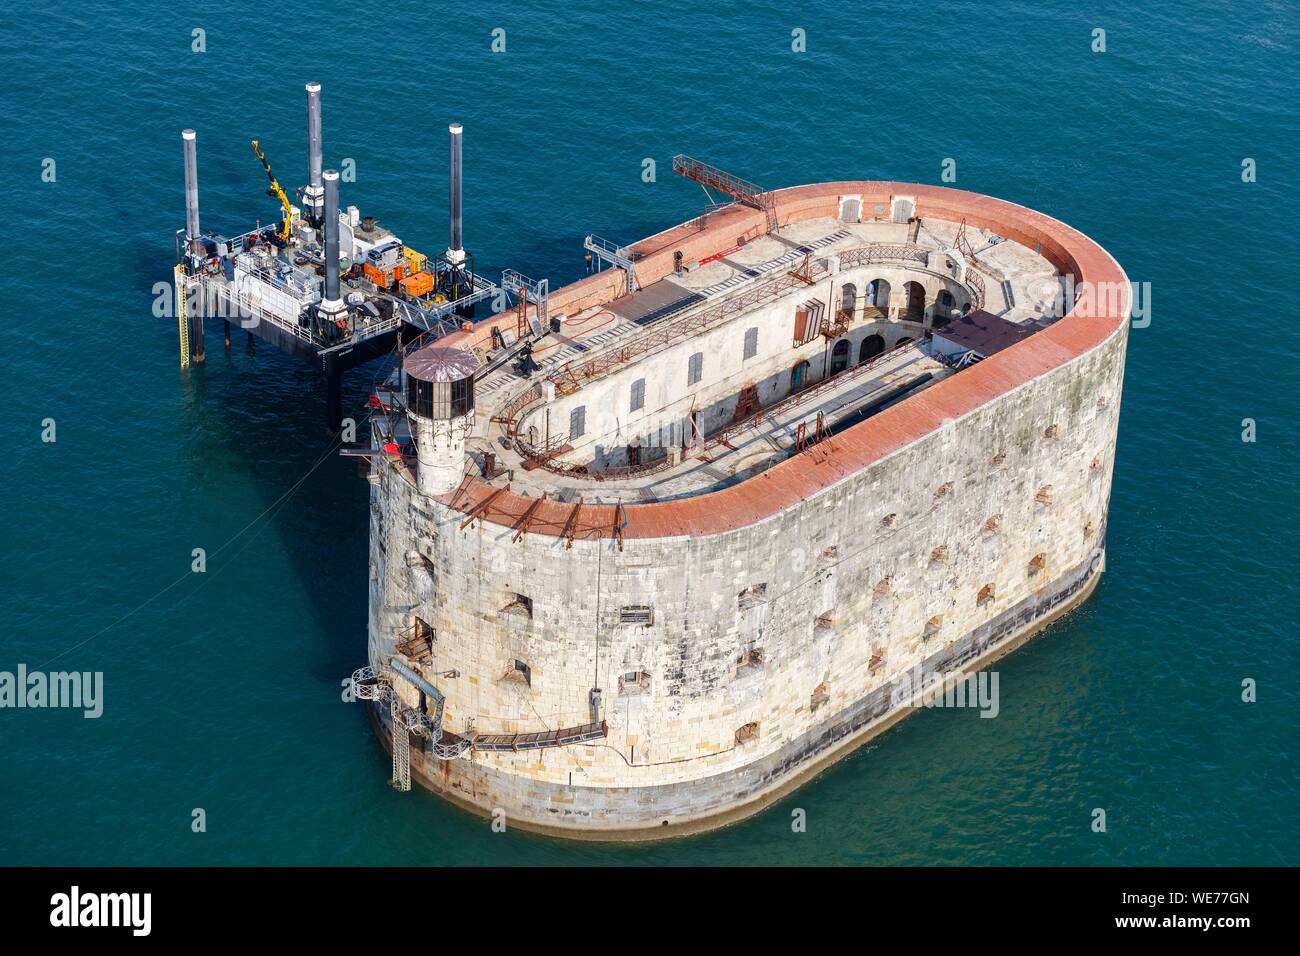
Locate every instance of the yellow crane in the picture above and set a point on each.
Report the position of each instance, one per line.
(276, 190)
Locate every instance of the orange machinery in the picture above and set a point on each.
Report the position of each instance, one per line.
(417, 285)
(384, 278)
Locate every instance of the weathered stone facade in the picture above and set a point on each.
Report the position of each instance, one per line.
(772, 646)
(908, 541)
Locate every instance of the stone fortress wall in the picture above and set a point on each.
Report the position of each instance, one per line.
(783, 611)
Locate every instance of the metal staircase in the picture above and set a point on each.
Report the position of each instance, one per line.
(373, 684)
(182, 314)
(378, 684)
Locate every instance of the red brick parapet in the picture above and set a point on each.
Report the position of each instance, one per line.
(788, 482)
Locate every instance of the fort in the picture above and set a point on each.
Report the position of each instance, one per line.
(644, 573)
(649, 550)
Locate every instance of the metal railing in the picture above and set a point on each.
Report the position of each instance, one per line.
(867, 255)
(662, 333)
(803, 395)
(244, 308)
(607, 473)
(536, 293)
(885, 252)
(572, 376)
(305, 292)
(236, 245)
(614, 254)
(742, 190)
(975, 282)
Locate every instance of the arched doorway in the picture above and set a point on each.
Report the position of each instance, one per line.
(914, 294)
(878, 294)
(903, 341)
(871, 346)
(840, 356)
(798, 375)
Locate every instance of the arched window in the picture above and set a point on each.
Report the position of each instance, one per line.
(878, 294)
(915, 293)
(848, 299)
(751, 343)
(695, 369)
(871, 346)
(578, 422)
(840, 356)
(638, 394)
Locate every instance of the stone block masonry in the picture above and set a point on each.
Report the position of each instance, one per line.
(782, 610)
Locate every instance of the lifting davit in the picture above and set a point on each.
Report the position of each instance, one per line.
(275, 191)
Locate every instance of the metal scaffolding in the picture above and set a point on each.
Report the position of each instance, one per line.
(374, 684)
(526, 292)
(615, 255)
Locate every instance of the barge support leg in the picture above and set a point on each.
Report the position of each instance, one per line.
(194, 319)
(196, 335)
(334, 400)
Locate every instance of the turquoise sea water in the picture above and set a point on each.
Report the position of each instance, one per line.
(222, 689)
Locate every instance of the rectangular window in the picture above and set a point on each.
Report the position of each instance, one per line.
(695, 370)
(751, 344)
(636, 614)
(633, 682)
(462, 397)
(578, 422)
(638, 394)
